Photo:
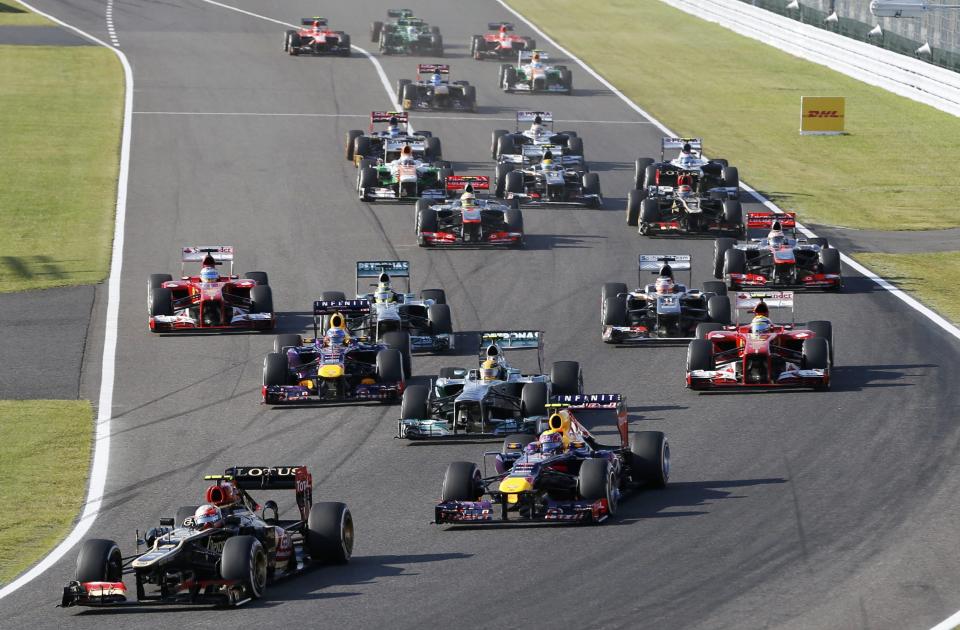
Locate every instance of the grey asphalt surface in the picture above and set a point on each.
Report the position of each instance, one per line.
(896, 242)
(40, 36)
(43, 342)
(791, 509)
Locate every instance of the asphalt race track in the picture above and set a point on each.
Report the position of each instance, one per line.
(796, 510)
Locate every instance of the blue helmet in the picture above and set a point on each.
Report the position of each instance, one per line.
(760, 325)
(209, 274)
(336, 337)
(551, 442)
(436, 79)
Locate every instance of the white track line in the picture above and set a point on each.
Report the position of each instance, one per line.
(101, 438)
(880, 281)
(459, 118)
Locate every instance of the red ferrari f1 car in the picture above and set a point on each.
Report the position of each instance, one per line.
(209, 301)
(761, 353)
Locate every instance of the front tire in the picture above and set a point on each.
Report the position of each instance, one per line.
(461, 482)
(245, 561)
(99, 561)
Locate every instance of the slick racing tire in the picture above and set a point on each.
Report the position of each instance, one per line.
(506, 145)
(439, 317)
(352, 136)
(819, 240)
(368, 179)
(650, 458)
(718, 309)
(434, 149)
(514, 221)
(276, 369)
(614, 312)
(439, 296)
(330, 534)
(477, 45)
(260, 277)
(495, 142)
(375, 29)
(361, 146)
(734, 261)
(286, 40)
(513, 182)
(422, 205)
(634, 200)
(345, 43)
(501, 179)
(183, 513)
(282, 342)
(649, 212)
(410, 94)
(612, 289)
(574, 145)
(332, 296)
(640, 171)
(245, 561)
(461, 482)
(470, 96)
(533, 400)
(261, 297)
(703, 328)
(596, 481)
(816, 354)
(566, 378)
(700, 355)
(400, 341)
(649, 176)
(720, 247)
(733, 213)
(390, 366)
(591, 186)
(99, 561)
(830, 260)
(451, 372)
(566, 80)
(823, 330)
(413, 405)
(401, 86)
(426, 222)
(161, 302)
(715, 287)
(731, 177)
(157, 280)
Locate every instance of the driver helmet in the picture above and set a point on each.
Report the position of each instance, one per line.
(436, 79)
(547, 160)
(686, 150)
(316, 25)
(406, 155)
(760, 326)
(207, 517)
(537, 126)
(535, 61)
(489, 370)
(209, 274)
(393, 127)
(468, 200)
(336, 337)
(684, 191)
(551, 442)
(384, 294)
(664, 285)
(776, 237)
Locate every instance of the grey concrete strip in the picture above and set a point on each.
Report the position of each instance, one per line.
(900, 242)
(39, 36)
(43, 335)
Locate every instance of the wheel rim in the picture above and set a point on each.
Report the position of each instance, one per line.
(612, 495)
(346, 534)
(665, 461)
(258, 571)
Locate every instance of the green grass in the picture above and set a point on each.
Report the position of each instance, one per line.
(743, 98)
(922, 275)
(44, 461)
(13, 13)
(61, 116)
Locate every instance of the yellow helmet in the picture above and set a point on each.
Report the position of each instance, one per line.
(489, 371)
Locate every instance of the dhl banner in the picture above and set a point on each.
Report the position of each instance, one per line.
(821, 115)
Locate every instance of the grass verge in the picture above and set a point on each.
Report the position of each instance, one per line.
(61, 115)
(743, 98)
(922, 275)
(45, 448)
(15, 14)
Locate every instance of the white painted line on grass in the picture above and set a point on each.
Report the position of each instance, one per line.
(101, 438)
(881, 282)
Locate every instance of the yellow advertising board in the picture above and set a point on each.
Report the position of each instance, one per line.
(821, 115)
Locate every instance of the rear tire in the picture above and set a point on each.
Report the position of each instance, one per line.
(566, 378)
(99, 561)
(718, 309)
(352, 136)
(715, 286)
(330, 533)
(375, 29)
(282, 342)
(333, 296)
(495, 142)
(574, 146)
(731, 177)
(650, 458)
(640, 172)
(260, 277)
(704, 328)
(461, 482)
(439, 296)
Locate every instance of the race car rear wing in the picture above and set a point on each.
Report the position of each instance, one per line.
(747, 301)
(496, 26)
(296, 478)
(374, 268)
(308, 21)
(220, 254)
(530, 116)
(403, 118)
(513, 340)
(458, 183)
(579, 402)
(399, 13)
(527, 55)
(765, 220)
(433, 68)
(329, 307)
(654, 263)
(676, 144)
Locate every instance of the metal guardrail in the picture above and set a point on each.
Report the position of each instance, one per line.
(939, 29)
